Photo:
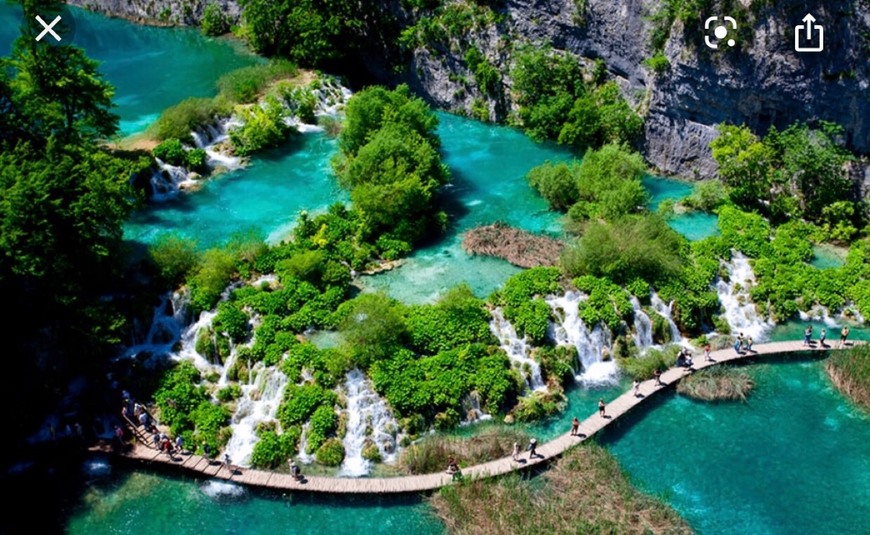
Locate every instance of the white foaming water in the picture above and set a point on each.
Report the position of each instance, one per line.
(211, 137)
(642, 326)
(516, 348)
(369, 420)
(222, 489)
(664, 310)
(818, 313)
(303, 456)
(259, 403)
(471, 410)
(591, 346)
(740, 311)
(167, 181)
(165, 329)
(97, 467)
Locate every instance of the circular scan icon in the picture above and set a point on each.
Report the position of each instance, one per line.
(54, 27)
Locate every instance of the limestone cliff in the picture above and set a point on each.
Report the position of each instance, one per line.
(181, 12)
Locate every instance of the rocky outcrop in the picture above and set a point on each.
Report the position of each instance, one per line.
(761, 82)
(182, 12)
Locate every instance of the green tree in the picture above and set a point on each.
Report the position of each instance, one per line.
(373, 326)
(556, 182)
(214, 22)
(745, 164)
(58, 88)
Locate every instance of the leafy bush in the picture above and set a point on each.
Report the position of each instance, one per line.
(373, 327)
(210, 280)
(263, 127)
(300, 402)
(633, 247)
(171, 152)
(459, 318)
(557, 183)
(272, 450)
(196, 160)
(323, 424)
(331, 453)
(214, 22)
(558, 362)
(532, 319)
(174, 255)
(606, 302)
(231, 320)
(538, 405)
(707, 196)
(177, 122)
(229, 393)
(658, 63)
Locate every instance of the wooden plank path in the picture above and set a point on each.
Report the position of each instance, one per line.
(427, 482)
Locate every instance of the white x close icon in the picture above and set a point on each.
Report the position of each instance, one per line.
(48, 28)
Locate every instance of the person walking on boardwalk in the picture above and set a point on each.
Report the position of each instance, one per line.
(822, 336)
(533, 448)
(575, 426)
(707, 357)
(516, 453)
(295, 471)
(601, 406)
(658, 375)
(749, 344)
(453, 468)
(844, 333)
(636, 386)
(808, 335)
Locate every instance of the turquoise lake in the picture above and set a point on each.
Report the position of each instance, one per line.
(794, 459)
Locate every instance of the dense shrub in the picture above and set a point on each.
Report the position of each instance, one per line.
(214, 22)
(300, 402)
(229, 393)
(263, 127)
(532, 319)
(175, 257)
(177, 122)
(557, 183)
(643, 367)
(458, 318)
(331, 453)
(232, 321)
(633, 247)
(606, 302)
(209, 281)
(272, 450)
(171, 152)
(373, 327)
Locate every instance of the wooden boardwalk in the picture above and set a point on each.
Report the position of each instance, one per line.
(428, 482)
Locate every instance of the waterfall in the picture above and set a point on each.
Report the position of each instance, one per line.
(471, 410)
(167, 181)
(592, 346)
(370, 422)
(164, 330)
(665, 310)
(517, 349)
(818, 313)
(740, 311)
(642, 326)
(303, 456)
(259, 402)
(211, 137)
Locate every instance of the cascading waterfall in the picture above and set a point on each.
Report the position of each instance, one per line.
(665, 311)
(740, 311)
(642, 326)
(592, 346)
(165, 328)
(167, 181)
(209, 139)
(471, 409)
(259, 402)
(517, 349)
(369, 422)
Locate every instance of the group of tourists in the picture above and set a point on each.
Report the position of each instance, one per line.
(808, 336)
(532, 448)
(743, 345)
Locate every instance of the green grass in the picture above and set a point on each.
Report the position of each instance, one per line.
(717, 383)
(584, 492)
(244, 85)
(188, 115)
(850, 371)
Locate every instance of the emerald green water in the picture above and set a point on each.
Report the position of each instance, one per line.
(826, 256)
(265, 198)
(147, 503)
(151, 68)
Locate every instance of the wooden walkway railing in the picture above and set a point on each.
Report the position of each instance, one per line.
(427, 482)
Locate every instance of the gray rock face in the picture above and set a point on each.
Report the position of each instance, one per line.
(186, 12)
(761, 82)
